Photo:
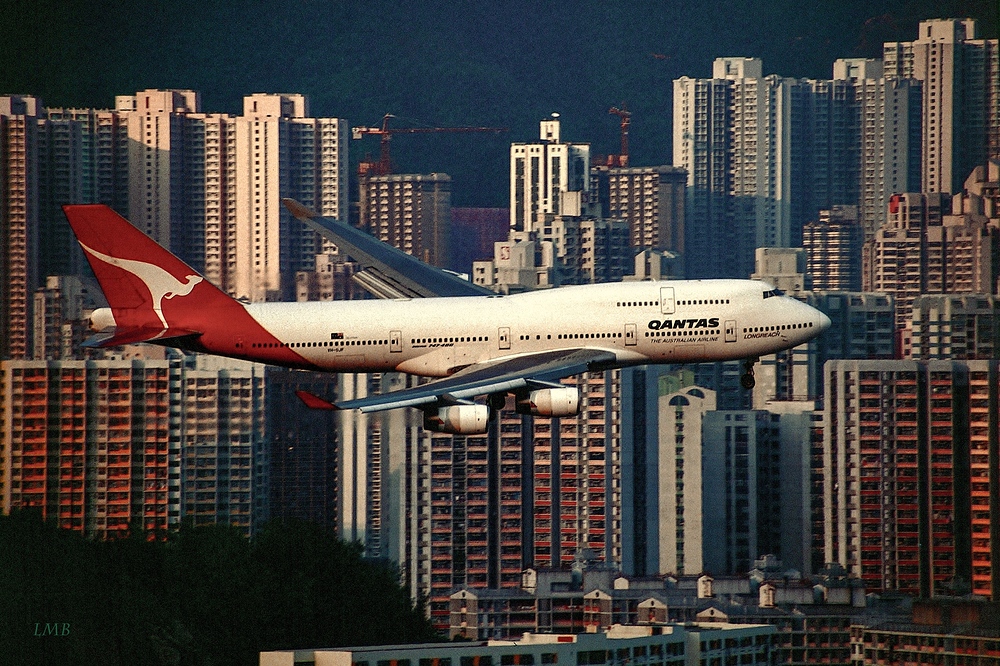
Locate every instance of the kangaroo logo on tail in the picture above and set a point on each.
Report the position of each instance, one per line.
(160, 283)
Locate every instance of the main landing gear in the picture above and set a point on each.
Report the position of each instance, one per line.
(496, 402)
(746, 379)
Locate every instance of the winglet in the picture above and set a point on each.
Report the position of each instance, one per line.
(298, 210)
(402, 275)
(314, 401)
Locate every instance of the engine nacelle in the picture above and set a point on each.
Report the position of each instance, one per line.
(458, 419)
(549, 402)
(102, 319)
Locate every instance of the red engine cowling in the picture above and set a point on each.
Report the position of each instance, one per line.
(550, 402)
(458, 419)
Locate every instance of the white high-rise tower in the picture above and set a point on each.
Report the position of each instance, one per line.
(550, 177)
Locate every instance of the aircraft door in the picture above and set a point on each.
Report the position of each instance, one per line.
(730, 330)
(630, 339)
(504, 337)
(395, 342)
(667, 300)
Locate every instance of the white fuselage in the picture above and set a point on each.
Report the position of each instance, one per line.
(640, 322)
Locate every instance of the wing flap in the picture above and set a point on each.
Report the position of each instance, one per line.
(500, 376)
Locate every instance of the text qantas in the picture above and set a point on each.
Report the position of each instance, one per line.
(674, 324)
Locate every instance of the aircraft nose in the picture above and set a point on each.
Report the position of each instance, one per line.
(822, 321)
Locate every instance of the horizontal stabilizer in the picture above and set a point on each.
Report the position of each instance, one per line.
(136, 335)
(314, 401)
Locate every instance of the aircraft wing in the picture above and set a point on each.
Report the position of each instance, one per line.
(387, 271)
(498, 376)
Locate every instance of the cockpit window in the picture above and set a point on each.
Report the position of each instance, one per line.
(773, 292)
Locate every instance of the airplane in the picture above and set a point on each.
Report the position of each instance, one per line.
(432, 323)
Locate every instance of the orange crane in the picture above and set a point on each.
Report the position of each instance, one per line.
(384, 164)
(625, 115)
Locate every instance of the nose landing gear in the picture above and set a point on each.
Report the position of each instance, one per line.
(746, 379)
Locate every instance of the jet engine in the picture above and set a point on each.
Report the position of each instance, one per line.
(562, 401)
(101, 319)
(470, 419)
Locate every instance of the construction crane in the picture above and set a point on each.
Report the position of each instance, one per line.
(384, 164)
(625, 115)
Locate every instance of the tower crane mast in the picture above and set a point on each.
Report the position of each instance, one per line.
(625, 115)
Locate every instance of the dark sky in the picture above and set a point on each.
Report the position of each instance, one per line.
(443, 63)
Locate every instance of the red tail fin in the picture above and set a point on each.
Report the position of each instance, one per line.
(152, 294)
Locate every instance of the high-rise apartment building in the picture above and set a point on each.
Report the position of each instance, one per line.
(282, 152)
(782, 267)
(110, 461)
(909, 491)
(210, 165)
(302, 453)
(833, 245)
(18, 221)
(887, 141)
(651, 200)
(145, 442)
(954, 326)
(922, 249)
(961, 97)
(181, 177)
(59, 326)
(62, 165)
(411, 212)
(755, 480)
(478, 228)
(588, 249)
(521, 263)
(862, 327)
(158, 182)
(763, 155)
(739, 476)
(102, 161)
(701, 147)
(82, 158)
(677, 492)
(547, 178)
(532, 492)
(221, 442)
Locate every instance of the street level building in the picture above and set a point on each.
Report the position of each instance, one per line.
(676, 645)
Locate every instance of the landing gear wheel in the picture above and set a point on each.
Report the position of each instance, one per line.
(496, 402)
(746, 379)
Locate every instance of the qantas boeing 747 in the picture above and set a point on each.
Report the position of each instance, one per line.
(435, 324)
